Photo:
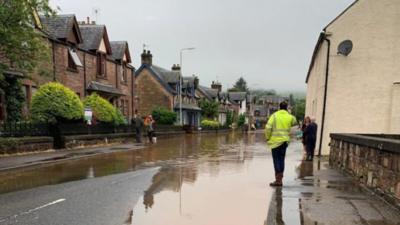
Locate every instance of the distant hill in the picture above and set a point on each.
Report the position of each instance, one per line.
(263, 92)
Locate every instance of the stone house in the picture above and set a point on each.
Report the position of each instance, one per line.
(353, 83)
(160, 87)
(83, 59)
(214, 94)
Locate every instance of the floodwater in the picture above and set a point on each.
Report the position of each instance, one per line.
(203, 178)
(219, 179)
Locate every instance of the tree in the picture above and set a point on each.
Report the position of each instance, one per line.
(291, 100)
(299, 109)
(22, 45)
(241, 85)
(262, 92)
(14, 96)
(229, 118)
(241, 120)
(54, 102)
(208, 109)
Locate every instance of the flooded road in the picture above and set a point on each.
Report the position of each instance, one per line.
(203, 179)
(199, 179)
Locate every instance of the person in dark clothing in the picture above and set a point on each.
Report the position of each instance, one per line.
(306, 121)
(310, 139)
(149, 122)
(138, 123)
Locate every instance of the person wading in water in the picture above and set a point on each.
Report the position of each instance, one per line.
(277, 133)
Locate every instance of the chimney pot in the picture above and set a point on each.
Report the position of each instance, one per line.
(147, 57)
(88, 20)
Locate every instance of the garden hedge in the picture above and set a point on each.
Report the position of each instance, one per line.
(54, 102)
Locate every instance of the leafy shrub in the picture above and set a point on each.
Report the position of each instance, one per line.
(164, 116)
(119, 119)
(241, 120)
(208, 109)
(54, 102)
(8, 143)
(229, 118)
(103, 110)
(210, 124)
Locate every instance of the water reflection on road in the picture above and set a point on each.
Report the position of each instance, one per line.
(203, 179)
(225, 183)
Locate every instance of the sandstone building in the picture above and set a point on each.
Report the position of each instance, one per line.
(85, 60)
(159, 87)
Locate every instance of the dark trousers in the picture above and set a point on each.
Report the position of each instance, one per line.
(138, 135)
(278, 155)
(310, 147)
(150, 134)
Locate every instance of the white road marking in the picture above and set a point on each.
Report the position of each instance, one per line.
(32, 210)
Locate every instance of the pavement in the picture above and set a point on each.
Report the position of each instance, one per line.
(322, 195)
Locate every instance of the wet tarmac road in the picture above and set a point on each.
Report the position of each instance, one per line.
(204, 179)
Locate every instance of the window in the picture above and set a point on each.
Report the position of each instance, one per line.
(123, 107)
(124, 73)
(101, 64)
(73, 60)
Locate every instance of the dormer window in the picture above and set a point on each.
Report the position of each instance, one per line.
(101, 64)
(73, 60)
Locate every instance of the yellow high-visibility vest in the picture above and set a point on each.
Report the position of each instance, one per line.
(277, 130)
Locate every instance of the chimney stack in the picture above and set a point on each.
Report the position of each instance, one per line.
(216, 86)
(87, 20)
(147, 57)
(176, 67)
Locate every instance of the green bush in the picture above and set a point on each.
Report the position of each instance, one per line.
(119, 119)
(54, 102)
(209, 124)
(208, 109)
(229, 118)
(103, 110)
(164, 116)
(241, 120)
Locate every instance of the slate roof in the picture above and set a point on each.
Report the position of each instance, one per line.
(167, 78)
(208, 92)
(96, 86)
(118, 49)
(237, 96)
(92, 35)
(58, 26)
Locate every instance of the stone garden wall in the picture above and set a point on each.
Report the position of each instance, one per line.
(373, 160)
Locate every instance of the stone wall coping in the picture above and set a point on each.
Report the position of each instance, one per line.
(97, 136)
(373, 141)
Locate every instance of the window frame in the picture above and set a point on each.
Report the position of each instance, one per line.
(101, 64)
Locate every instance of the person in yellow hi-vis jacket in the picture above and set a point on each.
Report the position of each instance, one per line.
(277, 133)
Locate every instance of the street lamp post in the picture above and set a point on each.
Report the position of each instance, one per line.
(180, 84)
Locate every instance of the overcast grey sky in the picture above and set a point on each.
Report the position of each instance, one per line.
(268, 42)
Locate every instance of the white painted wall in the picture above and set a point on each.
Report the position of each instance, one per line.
(361, 90)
